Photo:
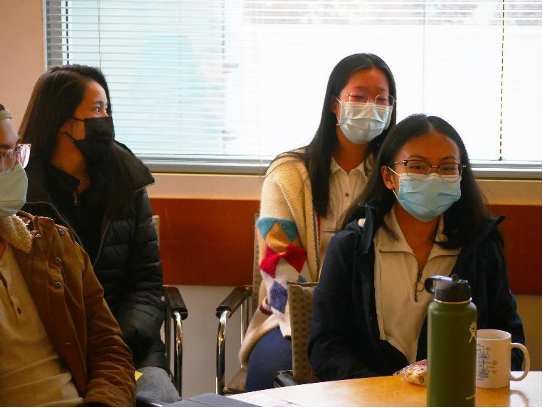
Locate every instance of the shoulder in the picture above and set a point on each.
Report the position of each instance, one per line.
(286, 163)
(489, 241)
(39, 225)
(138, 171)
(22, 229)
(346, 241)
(287, 170)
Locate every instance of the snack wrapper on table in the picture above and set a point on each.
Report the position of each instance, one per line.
(414, 373)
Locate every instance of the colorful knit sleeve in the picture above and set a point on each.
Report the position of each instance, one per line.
(282, 258)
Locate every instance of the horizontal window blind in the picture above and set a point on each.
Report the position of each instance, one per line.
(225, 85)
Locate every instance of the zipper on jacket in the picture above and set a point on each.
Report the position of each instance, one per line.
(101, 244)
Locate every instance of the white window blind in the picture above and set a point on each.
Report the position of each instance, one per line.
(225, 85)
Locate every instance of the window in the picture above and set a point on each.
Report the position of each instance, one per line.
(225, 85)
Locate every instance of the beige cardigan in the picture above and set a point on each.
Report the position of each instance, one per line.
(287, 225)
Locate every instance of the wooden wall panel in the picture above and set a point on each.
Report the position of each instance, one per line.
(522, 233)
(210, 242)
(206, 242)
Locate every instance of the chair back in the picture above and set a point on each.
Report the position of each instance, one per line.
(156, 223)
(300, 298)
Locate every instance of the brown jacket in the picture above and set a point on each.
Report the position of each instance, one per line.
(70, 302)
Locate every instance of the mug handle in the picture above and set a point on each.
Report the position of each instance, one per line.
(526, 358)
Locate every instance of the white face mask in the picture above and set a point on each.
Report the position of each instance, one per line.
(363, 122)
(13, 184)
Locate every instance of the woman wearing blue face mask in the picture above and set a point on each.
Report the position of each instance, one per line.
(305, 192)
(420, 215)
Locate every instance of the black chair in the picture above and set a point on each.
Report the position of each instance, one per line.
(246, 298)
(176, 312)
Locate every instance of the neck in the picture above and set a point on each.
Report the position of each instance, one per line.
(68, 158)
(415, 231)
(348, 155)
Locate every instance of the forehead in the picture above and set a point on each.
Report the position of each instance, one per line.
(94, 93)
(433, 146)
(8, 135)
(372, 78)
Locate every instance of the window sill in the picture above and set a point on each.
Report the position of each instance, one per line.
(244, 187)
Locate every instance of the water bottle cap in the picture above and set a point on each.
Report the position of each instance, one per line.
(448, 289)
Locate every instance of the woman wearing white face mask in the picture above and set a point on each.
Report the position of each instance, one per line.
(420, 215)
(305, 192)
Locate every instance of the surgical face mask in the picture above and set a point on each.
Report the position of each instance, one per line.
(13, 185)
(99, 136)
(428, 196)
(363, 122)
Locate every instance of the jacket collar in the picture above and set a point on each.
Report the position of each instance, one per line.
(15, 232)
(139, 174)
(388, 243)
(366, 228)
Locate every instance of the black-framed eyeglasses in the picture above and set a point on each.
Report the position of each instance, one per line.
(10, 157)
(362, 97)
(421, 167)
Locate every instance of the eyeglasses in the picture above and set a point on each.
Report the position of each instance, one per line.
(10, 157)
(416, 168)
(361, 97)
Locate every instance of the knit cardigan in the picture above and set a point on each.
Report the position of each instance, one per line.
(288, 237)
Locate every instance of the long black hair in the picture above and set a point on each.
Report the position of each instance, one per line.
(318, 153)
(462, 221)
(55, 97)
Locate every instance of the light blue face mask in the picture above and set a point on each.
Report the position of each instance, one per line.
(13, 184)
(427, 197)
(363, 122)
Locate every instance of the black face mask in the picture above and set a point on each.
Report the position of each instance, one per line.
(99, 136)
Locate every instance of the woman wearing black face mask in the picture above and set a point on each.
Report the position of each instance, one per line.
(83, 179)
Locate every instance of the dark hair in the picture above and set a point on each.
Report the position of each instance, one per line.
(55, 97)
(462, 221)
(318, 153)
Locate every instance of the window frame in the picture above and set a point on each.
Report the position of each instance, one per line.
(190, 164)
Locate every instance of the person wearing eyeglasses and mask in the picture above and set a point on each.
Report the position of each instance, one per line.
(420, 215)
(304, 193)
(59, 343)
(82, 178)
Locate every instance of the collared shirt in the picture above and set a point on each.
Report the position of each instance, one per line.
(399, 315)
(31, 371)
(344, 188)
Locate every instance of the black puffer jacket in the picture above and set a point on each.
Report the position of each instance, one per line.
(127, 262)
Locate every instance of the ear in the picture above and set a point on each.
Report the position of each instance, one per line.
(388, 177)
(334, 105)
(68, 127)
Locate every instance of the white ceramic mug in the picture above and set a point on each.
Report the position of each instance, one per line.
(494, 359)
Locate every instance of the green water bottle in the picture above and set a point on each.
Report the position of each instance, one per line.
(452, 343)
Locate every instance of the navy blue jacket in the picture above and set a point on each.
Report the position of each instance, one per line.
(345, 335)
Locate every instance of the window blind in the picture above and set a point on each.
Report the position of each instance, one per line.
(225, 85)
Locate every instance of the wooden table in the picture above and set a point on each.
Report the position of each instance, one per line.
(389, 391)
